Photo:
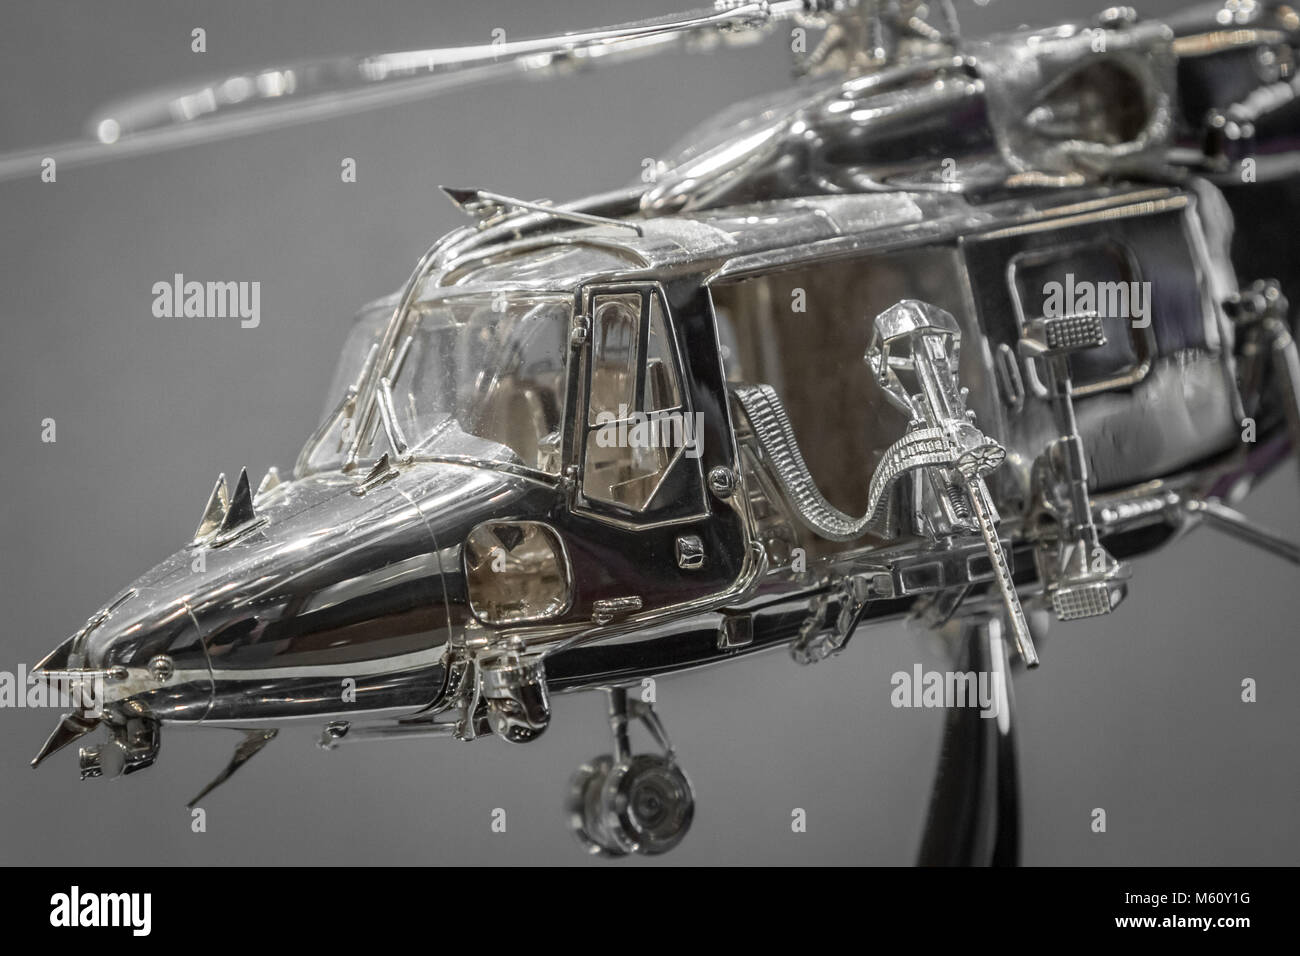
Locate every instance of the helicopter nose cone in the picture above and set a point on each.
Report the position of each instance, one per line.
(146, 644)
(338, 595)
(143, 646)
(137, 661)
(337, 600)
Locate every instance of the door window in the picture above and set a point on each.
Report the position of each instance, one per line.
(637, 424)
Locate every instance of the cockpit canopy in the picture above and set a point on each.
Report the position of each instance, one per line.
(477, 376)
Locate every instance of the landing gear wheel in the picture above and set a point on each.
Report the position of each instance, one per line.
(648, 803)
(586, 816)
(629, 803)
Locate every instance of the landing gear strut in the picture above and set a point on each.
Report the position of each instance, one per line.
(629, 803)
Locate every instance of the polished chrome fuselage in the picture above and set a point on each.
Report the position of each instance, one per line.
(336, 586)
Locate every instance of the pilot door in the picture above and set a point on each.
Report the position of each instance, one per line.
(649, 426)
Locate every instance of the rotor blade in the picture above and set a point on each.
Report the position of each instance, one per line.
(249, 747)
(318, 89)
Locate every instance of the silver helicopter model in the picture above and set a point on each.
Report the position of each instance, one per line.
(948, 331)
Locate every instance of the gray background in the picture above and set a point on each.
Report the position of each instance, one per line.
(1139, 713)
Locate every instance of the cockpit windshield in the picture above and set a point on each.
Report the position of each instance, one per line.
(483, 376)
(479, 376)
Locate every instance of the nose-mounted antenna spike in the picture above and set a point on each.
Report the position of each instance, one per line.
(215, 510)
(270, 482)
(240, 511)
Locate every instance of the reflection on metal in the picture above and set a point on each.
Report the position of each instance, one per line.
(454, 545)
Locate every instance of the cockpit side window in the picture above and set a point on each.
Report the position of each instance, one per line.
(616, 333)
(326, 449)
(662, 387)
(637, 423)
(484, 379)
